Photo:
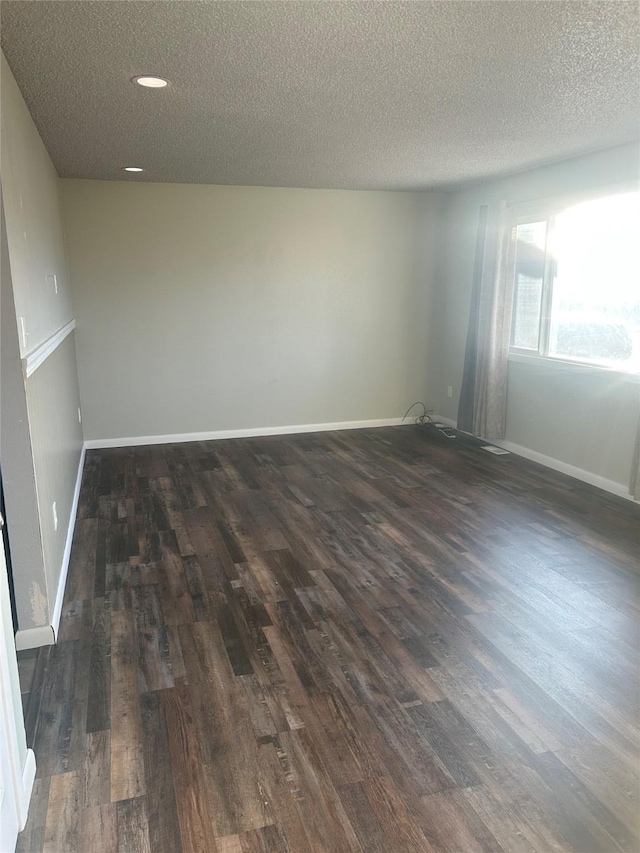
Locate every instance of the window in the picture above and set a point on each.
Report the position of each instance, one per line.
(576, 283)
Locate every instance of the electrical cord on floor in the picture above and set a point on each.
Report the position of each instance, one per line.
(426, 420)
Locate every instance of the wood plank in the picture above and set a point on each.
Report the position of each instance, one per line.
(197, 827)
(127, 754)
(53, 732)
(99, 828)
(99, 694)
(97, 768)
(31, 839)
(62, 828)
(162, 816)
(133, 829)
(339, 643)
(451, 828)
(177, 606)
(220, 706)
(154, 659)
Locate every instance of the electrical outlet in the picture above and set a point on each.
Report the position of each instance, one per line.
(52, 281)
(79, 415)
(449, 390)
(55, 516)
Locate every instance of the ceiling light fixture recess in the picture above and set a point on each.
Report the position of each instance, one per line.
(151, 82)
(132, 169)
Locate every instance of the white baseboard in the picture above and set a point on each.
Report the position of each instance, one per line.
(603, 483)
(64, 569)
(252, 432)
(578, 473)
(33, 638)
(28, 778)
(439, 419)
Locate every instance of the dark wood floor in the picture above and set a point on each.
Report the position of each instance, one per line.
(377, 640)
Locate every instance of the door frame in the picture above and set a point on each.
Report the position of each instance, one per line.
(20, 775)
(19, 762)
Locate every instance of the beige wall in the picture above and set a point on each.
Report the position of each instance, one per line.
(18, 471)
(205, 308)
(6, 617)
(580, 417)
(41, 436)
(56, 440)
(34, 224)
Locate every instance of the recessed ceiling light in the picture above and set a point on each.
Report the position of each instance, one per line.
(132, 169)
(151, 82)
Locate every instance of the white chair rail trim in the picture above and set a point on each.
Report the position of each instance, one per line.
(34, 359)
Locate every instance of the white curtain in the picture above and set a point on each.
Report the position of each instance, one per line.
(483, 398)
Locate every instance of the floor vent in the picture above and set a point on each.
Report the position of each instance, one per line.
(497, 451)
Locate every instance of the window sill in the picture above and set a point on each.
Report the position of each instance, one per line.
(574, 367)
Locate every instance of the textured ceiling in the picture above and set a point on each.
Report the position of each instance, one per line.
(386, 95)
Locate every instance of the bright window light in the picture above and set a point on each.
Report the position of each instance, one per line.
(577, 284)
